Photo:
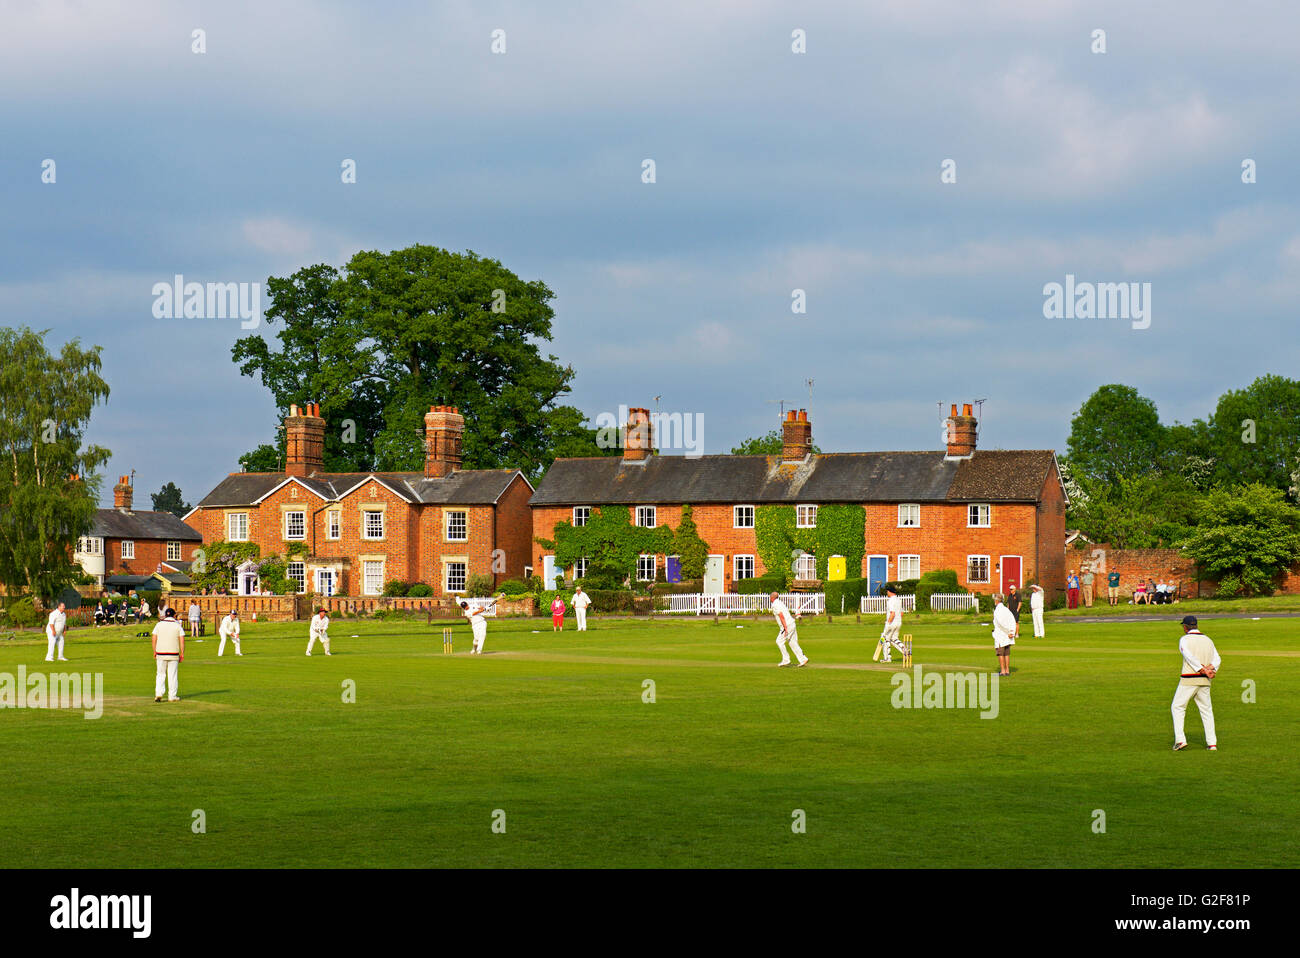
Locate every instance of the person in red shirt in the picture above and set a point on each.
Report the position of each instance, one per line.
(557, 615)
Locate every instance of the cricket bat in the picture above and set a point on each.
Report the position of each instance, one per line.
(875, 656)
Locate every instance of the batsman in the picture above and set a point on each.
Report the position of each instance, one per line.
(893, 625)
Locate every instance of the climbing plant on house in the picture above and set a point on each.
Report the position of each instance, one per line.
(609, 542)
(690, 549)
(841, 530)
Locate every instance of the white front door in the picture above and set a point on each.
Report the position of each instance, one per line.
(325, 581)
(713, 580)
(549, 572)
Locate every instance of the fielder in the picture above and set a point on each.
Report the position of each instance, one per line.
(789, 634)
(54, 630)
(1200, 664)
(477, 625)
(580, 602)
(1004, 634)
(168, 653)
(1036, 610)
(889, 639)
(229, 630)
(320, 625)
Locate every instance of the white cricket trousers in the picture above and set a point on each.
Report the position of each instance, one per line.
(324, 640)
(793, 640)
(56, 642)
(480, 634)
(889, 638)
(169, 670)
(221, 649)
(1039, 631)
(1183, 695)
(581, 615)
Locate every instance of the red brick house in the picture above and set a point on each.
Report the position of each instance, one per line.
(994, 516)
(360, 530)
(128, 542)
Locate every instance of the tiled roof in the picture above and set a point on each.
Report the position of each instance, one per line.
(463, 487)
(127, 524)
(1010, 476)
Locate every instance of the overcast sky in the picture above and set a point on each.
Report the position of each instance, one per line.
(775, 171)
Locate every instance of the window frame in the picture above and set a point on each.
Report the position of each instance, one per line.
(230, 532)
(654, 566)
(302, 516)
(580, 567)
(383, 568)
(899, 567)
(652, 512)
(446, 576)
(988, 569)
(365, 525)
(333, 525)
(735, 568)
(988, 515)
(799, 522)
(798, 563)
(446, 525)
(126, 549)
(917, 524)
(301, 579)
(586, 516)
(735, 517)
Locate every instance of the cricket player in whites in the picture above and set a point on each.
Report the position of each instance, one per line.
(789, 634)
(1036, 610)
(1200, 663)
(477, 625)
(580, 602)
(1005, 628)
(54, 629)
(229, 630)
(168, 653)
(320, 629)
(893, 623)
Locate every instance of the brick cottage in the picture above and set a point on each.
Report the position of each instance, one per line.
(360, 530)
(126, 544)
(995, 517)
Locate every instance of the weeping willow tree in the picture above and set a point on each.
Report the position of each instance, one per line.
(48, 490)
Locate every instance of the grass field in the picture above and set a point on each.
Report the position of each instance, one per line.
(553, 730)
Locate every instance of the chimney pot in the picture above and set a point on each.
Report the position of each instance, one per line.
(962, 433)
(965, 409)
(796, 436)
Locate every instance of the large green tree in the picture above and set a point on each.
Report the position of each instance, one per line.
(46, 400)
(1116, 432)
(1247, 536)
(169, 499)
(1254, 434)
(393, 333)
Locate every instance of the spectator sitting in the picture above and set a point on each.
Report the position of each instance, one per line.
(1140, 594)
(100, 616)
(143, 612)
(1151, 591)
(1162, 593)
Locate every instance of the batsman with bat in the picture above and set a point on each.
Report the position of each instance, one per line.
(893, 624)
(789, 634)
(477, 623)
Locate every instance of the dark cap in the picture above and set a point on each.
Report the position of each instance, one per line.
(1189, 621)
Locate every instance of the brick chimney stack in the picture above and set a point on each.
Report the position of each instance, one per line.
(796, 435)
(962, 430)
(122, 494)
(638, 436)
(444, 428)
(304, 433)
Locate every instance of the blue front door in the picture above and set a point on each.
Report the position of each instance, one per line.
(674, 569)
(877, 573)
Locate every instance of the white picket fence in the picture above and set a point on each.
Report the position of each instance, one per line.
(726, 603)
(875, 604)
(939, 602)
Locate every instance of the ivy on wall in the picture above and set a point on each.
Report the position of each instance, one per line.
(609, 542)
(841, 530)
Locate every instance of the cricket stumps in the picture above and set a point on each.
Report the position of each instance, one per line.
(907, 650)
(448, 644)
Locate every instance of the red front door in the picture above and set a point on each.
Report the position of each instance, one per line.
(1010, 573)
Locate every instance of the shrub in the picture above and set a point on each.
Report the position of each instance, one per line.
(419, 591)
(395, 588)
(845, 595)
(22, 613)
(901, 587)
(480, 586)
(760, 584)
(513, 587)
(535, 583)
(940, 580)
